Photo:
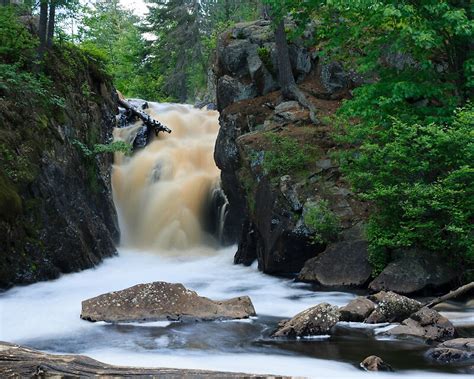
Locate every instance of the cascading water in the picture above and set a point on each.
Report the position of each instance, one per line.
(168, 199)
(161, 191)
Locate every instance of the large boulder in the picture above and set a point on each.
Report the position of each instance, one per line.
(247, 54)
(426, 324)
(343, 263)
(357, 310)
(230, 90)
(413, 271)
(317, 320)
(456, 350)
(162, 301)
(391, 307)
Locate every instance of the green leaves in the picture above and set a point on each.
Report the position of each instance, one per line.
(322, 221)
(420, 180)
(113, 147)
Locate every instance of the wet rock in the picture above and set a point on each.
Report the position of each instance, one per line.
(391, 307)
(317, 320)
(343, 263)
(357, 310)
(62, 218)
(456, 350)
(427, 324)
(374, 363)
(414, 271)
(159, 301)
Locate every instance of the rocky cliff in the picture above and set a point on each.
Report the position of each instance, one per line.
(56, 209)
(290, 208)
(287, 198)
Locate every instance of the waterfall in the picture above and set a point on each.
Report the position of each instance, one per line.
(161, 192)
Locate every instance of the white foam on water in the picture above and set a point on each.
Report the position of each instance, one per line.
(49, 310)
(53, 308)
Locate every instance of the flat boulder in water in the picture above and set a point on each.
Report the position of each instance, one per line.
(160, 301)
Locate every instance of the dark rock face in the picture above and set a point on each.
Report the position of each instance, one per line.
(357, 310)
(374, 363)
(160, 301)
(456, 350)
(391, 307)
(317, 320)
(67, 220)
(414, 271)
(343, 263)
(266, 209)
(426, 324)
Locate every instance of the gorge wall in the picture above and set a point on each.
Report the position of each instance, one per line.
(277, 170)
(56, 209)
(290, 207)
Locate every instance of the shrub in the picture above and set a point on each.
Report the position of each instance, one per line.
(420, 180)
(285, 155)
(322, 221)
(265, 56)
(114, 147)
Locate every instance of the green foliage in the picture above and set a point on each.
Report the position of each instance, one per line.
(265, 56)
(30, 89)
(16, 166)
(16, 44)
(285, 155)
(322, 221)
(113, 147)
(420, 179)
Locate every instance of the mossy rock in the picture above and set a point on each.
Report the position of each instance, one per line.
(10, 201)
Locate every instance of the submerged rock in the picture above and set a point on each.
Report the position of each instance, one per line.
(391, 307)
(374, 363)
(456, 350)
(160, 301)
(343, 263)
(427, 324)
(317, 320)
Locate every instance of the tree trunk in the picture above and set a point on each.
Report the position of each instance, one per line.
(451, 295)
(51, 21)
(22, 362)
(285, 74)
(289, 89)
(43, 26)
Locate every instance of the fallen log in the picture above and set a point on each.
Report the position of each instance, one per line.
(22, 362)
(451, 295)
(150, 123)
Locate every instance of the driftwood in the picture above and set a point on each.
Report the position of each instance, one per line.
(451, 295)
(150, 123)
(21, 362)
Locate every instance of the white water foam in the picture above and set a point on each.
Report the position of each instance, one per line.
(50, 311)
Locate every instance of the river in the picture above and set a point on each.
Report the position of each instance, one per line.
(159, 193)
